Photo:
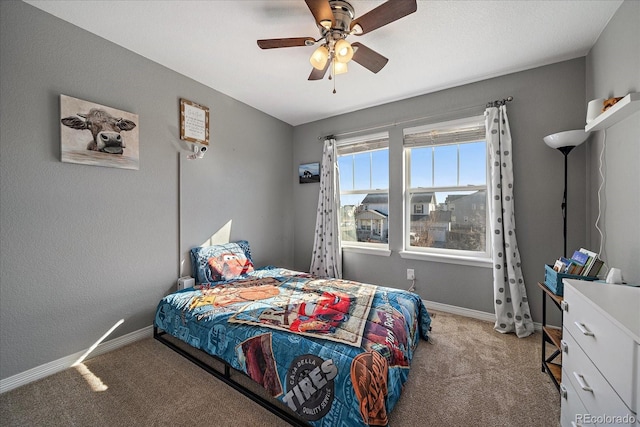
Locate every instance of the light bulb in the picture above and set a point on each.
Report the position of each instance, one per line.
(344, 51)
(319, 58)
(339, 67)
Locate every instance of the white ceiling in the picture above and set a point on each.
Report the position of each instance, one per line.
(444, 44)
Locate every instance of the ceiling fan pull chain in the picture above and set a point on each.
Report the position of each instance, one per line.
(334, 86)
(333, 69)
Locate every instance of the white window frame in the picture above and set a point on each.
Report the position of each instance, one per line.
(454, 256)
(365, 247)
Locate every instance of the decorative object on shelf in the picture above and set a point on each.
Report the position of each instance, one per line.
(608, 103)
(565, 142)
(194, 122)
(622, 109)
(112, 140)
(614, 276)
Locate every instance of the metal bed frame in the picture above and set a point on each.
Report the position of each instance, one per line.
(225, 376)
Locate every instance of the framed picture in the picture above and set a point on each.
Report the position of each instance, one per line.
(194, 122)
(92, 134)
(309, 172)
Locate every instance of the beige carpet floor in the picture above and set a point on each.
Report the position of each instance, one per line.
(469, 375)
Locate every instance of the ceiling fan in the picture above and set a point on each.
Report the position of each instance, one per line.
(336, 21)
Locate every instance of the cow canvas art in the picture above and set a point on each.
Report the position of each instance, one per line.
(93, 134)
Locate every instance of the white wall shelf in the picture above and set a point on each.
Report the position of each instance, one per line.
(621, 110)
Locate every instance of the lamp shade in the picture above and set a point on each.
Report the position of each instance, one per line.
(339, 67)
(319, 58)
(569, 138)
(344, 51)
(326, 24)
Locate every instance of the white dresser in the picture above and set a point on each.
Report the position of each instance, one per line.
(600, 354)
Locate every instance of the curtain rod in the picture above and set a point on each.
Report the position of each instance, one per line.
(496, 103)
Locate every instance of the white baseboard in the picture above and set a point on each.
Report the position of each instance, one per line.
(51, 368)
(467, 312)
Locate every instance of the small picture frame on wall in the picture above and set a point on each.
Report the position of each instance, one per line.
(309, 172)
(194, 122)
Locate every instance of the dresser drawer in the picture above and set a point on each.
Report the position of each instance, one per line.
(571, 408)
(609, 348)
(593, 390)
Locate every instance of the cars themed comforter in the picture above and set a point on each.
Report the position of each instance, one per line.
(336, 352)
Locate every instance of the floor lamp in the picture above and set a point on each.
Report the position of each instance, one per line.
(565, 142)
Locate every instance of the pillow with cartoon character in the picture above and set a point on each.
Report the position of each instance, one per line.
(221, 262)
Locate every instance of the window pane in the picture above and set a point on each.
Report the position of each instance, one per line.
(473, 164)
(453, 220)
(380, 169)
(421, 167)
(345, 166)
(446, 166)
(362, 171)
(364, 218)
(364, 213)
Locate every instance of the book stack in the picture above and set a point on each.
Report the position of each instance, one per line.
(583, 262)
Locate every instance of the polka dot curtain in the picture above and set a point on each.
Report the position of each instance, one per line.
(510, 296)
(326, 259)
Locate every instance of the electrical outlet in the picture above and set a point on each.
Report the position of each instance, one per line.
(411, 275)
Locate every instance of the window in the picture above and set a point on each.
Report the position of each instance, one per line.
(364, 191)
(446, 174)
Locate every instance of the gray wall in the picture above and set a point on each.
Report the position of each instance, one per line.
(82, 247)
(613, 69)
(546, 100)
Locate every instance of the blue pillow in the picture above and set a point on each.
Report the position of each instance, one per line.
(221, 262)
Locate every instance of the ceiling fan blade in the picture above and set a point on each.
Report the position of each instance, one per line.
(321, 11)
(369, 59)
(289, 42)
(319, 74)
(384, 14)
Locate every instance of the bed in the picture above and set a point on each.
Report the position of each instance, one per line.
(325, 352)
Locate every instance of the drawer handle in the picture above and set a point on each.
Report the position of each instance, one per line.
(583, 384)
(563, 391)
(564, 346)
(564, 305)
(584, 329)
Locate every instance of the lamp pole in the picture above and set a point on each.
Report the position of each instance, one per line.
(565, 142)
(565, 151)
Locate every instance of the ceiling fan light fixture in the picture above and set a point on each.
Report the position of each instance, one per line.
(336, 21)
(344, 51)
(326, 24)
(339, 67)
(319, 58)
